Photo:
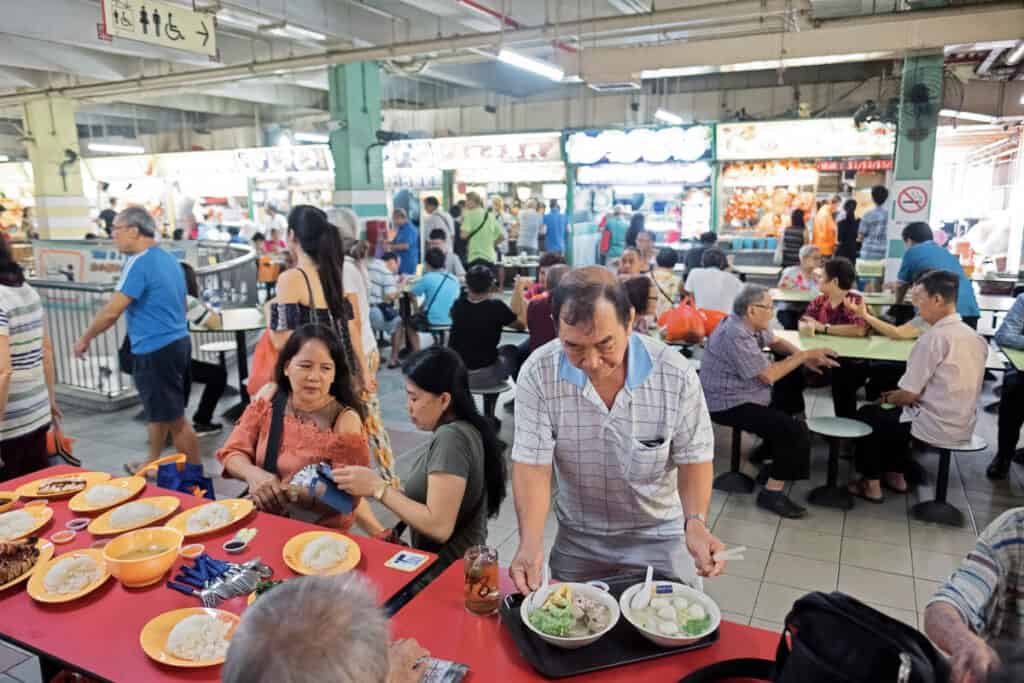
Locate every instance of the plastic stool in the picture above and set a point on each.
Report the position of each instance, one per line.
(734, 481)
(938, 510)
(835, 429)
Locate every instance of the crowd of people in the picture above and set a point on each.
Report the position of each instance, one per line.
(621, 419)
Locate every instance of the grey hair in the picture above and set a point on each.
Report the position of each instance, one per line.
(138, 217)
(314, 628)
(555, 274)
(807, 250)
(346, 220)
(748, 296)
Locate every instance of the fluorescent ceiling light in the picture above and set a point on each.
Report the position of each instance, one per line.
(532, 65)
(286, 30)
(316, 138)
(764, 65)
(230, 18)
(967, 116)
(678, 71)
(1016, 55)
(668, 117)
(116, 149)
(4, 157)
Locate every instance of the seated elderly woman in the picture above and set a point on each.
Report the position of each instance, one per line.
(321, 421)
(460, 480)
(744, 389)
(320, 628)
(805, 277)
(713, 287)
(631, 263)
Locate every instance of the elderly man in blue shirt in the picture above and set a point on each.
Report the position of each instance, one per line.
(924, 254)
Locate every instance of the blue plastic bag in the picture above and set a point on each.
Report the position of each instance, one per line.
(189, 479)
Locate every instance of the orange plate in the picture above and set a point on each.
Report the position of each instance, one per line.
(239, 508)
(133, 485)
(31, 489)
(42, 513)
(45, 553)
(154, 634)
(101, 525)
(37, 589)
(7, 500)
(292, 554)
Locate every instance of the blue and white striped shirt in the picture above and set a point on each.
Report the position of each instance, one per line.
(988, 588)
(28, 402)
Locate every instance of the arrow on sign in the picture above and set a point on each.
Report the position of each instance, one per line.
(205, 33)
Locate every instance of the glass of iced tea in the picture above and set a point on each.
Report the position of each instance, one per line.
(481, 589)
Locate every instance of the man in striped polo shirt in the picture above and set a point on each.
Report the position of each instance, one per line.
(982, 601)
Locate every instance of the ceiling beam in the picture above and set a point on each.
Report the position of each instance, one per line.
(918, 30)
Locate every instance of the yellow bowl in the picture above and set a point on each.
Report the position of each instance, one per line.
(147, 570)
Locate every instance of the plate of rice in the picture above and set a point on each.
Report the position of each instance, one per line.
(61, 485)
(105, 495)
(15, 524)
(211, 517)
(189, 638)
(321, 553)
(133, 515)
(69, 576)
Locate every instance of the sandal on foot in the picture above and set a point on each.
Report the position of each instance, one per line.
(889, 487)
(856, 489)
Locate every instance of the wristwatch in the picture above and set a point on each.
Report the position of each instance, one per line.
(698, 516)
(379, 492)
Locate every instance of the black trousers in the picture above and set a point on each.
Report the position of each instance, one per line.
(214, 379)
(789, 318)
(1011, 413)
(787, 440)
(846, 380)
(887, 448)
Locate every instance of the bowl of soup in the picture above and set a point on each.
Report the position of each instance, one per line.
(142, 557)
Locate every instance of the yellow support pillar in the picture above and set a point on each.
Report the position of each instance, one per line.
(62, 211)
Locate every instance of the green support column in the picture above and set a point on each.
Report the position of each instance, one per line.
(915, 152)
(354, 98)
(447, 189)
(62, 211)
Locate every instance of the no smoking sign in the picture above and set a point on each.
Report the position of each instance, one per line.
(913, 200)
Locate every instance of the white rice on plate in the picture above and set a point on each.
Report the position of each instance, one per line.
(324, 552)
(208, 517)
(15, 523)
(199, 638)
(71, 574)
(133, 514)
(105, 494)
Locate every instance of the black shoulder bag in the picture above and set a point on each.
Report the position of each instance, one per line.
(420, 320)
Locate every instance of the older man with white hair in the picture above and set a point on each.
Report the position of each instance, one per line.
(320, 628)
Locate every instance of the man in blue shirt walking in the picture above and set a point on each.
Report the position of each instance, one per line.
(151, 292)
(924, 254)
(554, 224)
(406, 243)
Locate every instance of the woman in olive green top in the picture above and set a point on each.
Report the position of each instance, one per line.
(460, 481)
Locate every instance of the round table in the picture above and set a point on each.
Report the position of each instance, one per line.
(239, 321)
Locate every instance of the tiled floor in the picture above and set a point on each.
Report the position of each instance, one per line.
(876, 553)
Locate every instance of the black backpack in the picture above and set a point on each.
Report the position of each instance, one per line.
(833, 638)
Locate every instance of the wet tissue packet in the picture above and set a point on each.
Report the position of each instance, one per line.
(317, 480)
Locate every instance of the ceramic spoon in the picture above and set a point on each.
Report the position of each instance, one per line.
(642, 597)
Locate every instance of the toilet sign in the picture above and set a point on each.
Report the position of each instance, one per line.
(913, 200)
(159, 23)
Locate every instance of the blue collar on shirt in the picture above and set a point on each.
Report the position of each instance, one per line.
(638, 366)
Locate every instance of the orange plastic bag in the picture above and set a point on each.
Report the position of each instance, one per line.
(683, 323)
(264, 360)
(711, 319)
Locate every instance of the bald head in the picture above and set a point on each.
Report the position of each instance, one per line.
(577, 295)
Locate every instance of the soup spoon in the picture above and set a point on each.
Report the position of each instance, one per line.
(642, 598)
(541, 594)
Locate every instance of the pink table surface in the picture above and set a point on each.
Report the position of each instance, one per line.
(99, 634)
(487, 648)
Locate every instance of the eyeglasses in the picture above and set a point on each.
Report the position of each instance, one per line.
(764, 306)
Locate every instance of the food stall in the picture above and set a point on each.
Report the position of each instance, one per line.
(664, 173)
(16, 194)
(770, 168)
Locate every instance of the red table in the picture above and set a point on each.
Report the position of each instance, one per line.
(486, 647)
(99, 634)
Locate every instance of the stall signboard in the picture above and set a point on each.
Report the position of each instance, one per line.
(294, 159)
(159, 23)
(803, 139)
(696, 173)
(649, 145)
(483, 151)
(833, 165)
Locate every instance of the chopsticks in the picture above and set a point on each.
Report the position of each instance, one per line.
(731, 554)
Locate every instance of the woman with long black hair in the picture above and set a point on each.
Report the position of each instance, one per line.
(461, 480)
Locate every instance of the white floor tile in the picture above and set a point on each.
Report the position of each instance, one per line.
(880, 556)
(774, 602)
(808, 543)
(732, 531)
(733, 593)
(935, 566)
(801, 572)
(868, 585)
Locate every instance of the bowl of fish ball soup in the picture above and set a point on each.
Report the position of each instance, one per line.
(142, 557)
(675, 615)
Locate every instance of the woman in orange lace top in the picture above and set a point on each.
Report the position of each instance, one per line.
(323, 422)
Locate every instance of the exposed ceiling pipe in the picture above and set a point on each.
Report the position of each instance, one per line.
(993, 55)
(722, 10)
(508, 21)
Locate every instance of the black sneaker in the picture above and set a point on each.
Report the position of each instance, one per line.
(779, 503)
(998, 469)
(207, 428)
